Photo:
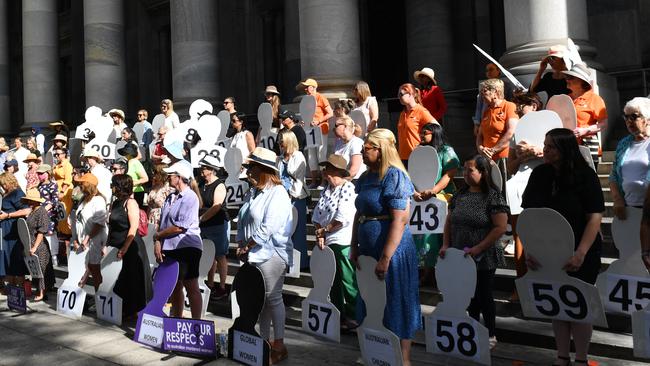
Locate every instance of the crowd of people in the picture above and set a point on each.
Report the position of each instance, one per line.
(363, 208)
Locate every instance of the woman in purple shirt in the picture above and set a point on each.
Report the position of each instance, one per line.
(179, 237)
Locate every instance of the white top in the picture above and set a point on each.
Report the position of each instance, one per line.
(104, 177)
(352, 147)
(365, 107)
(88, 214)
(172, 121)
(634, 172)
(336, 203)
(239, 142)
(40, 143)
(20, 155)
(297, 168)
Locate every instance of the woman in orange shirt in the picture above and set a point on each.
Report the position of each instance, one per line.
(591, 112)
(411, 120)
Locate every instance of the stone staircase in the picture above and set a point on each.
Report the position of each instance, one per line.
(614, 342)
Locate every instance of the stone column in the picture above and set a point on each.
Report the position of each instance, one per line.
(105, 64)
(330, 45)
(5, 124)
(40, 62)
(533, 26)
(195, 68)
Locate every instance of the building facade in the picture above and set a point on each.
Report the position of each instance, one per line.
(57, 57)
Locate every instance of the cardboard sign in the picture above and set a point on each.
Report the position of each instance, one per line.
(83, 131)
(150, 328)
(31, 260)
(108, 304)
(428, 217)
(207, 259)
(641, 333)
(307, 109)
(449, 329)
(235, 193)
(225, 143)
(625, 286)
(360, 119)
(265, 117)
(198, 108)
(209, 128)
(562, 104)
(202, 149)
(70, 301)
(248, 349)
(148, 246)
(16, 299)
(34, 266)
(314, 137)
(157, 122)
(533, 126)
(495, 174)
(549, 292)
(232, 164)
(504, 71)
(319, 316)
(423, 167)
(379, 346)
(106, 150)
(224, 119)
(268, 140)
(192, 336)
(293, 271)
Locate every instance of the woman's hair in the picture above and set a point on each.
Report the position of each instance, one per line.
(31, 139)
(492, 84)
(485, 168)
(158, 174)
(8, 182)
(289, 139)
(347, 105)
(123, 186)
(438, 138)
(195, 187)
(349, 123)
(363, 91)
(240, 116)
(642, 104)
(90, 191)
(268, 177)
(131, 133)
(232, 99)
(571, 160)
(385, 141)
(411, 89)
(526, 99)
(168, 103)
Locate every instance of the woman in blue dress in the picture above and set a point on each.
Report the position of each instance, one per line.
(381, 231)
(12, 264)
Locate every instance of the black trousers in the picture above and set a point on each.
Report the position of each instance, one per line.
(483, 301)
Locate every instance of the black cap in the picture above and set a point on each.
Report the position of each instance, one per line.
(287, 114)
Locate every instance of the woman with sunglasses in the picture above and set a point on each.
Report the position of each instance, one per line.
(551, 82)
(242, 139)
(411, 120)
(171, 118)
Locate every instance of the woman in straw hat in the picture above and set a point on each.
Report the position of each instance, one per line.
(551, 82)
(264, 238)
(432, 97)
(591, 112)
(32, 162)
(50, 193)
(333, 217)
(12, 264)
(272, 96)
(38, 223)
(381, 231)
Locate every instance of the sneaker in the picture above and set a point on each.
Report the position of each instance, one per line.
(493, 342)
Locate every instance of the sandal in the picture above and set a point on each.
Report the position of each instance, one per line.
(566, 361)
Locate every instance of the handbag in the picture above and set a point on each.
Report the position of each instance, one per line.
(143, 224)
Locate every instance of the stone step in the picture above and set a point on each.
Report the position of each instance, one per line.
(608, 156)
(604, 167)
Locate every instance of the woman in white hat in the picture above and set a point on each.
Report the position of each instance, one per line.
(432, 97)
(264, 238)
(591, 112)
(38, 223)
(551, 82)
(118, 121)
(272, 96)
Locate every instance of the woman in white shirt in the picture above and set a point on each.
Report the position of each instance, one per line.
(243, 139)
(171, 118)
(349, 146)
(90, 230)
(333, 217)
(366, 104)
(293, 167)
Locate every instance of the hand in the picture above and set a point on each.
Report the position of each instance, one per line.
(581, 131)
(544, 63)
(354, 256)
(473, 251)
(32, 251)
(575, 262)
(417, 196)
(619, 209)
(84, 243)
(486, 151)
(646, 262)
(382, 267)
(442, 252)
(242, 253)
(315, 123)
(157, 251)
(321, 243)
(121, 252)
(75, 246)
(532, 263)
(320, 233)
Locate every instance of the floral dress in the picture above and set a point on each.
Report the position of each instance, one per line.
(155, 201)
(50, 193)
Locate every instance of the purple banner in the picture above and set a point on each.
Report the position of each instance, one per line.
(16, 298)
(189, 336)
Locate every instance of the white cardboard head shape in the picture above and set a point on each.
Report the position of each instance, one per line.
(456, 276)
(359, 118)
(157, 122)
(110, 268)
(495, 174)
(207, 258)
(224, 117)
(307, 108)
(265, 117)
(173, 135)
(533, 126)
(24, 235)
(199, 107)
(76, 268)
(563, 106)
(323, 265)
(424, 167)
(232, 164)
(317, 303)
(209, 128)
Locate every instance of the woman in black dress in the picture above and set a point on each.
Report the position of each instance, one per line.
(123, 234)
(569, 186)
(38, 223)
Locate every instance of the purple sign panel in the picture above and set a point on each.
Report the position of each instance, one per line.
(189, 336)
(16, 298)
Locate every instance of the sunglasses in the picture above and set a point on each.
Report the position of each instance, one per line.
(114, 169)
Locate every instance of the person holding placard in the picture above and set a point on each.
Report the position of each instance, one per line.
(411, 120)
(264, 238)
(381, 231)
(428, 245)
(628, 181)
(243, 139)
(333, 218)
(366, 103)
(135, 170)
(179, 237)
(12, 265)
(293, 167)
(171, 118)
(567, 184)
(349, 146)
(159, 191)
(478, 216)
(123, 234)
(50, 193)
(272, 96)
(290, 121)
(214, 220)
(553, 83)
(591, 112)
(157, 149)
(322, 114)
(89, 227)
(38, 223)
(95, 162)
(432, 98)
